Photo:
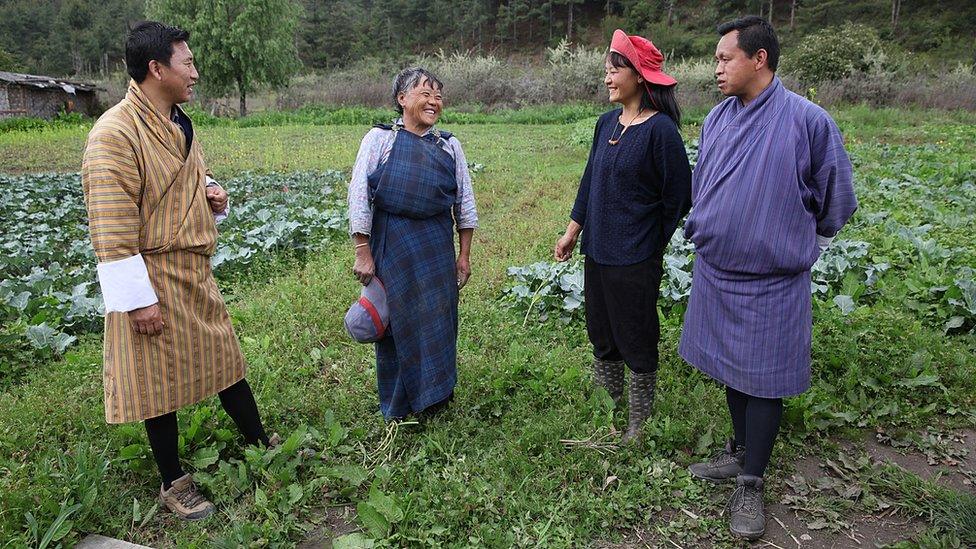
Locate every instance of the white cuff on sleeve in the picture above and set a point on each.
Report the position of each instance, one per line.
(219, 216)
(823, 242)
(125, 284)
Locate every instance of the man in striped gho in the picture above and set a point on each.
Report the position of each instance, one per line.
(153, 207)
(772, 187)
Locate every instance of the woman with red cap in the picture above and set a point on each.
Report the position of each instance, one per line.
(634, 190)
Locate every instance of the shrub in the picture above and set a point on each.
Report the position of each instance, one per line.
(836, 52)
(955, 89)
(29, 123)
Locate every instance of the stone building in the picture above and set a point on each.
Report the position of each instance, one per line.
(44, 96)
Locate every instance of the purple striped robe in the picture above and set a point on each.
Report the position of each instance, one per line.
(772, 182)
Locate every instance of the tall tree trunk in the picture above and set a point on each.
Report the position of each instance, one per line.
(569, 23)
(770, 15)
(895, 12)
(76, 63)
(792, 13)
(243, 91)
(671, 12)
(550, 20)
(513, 13)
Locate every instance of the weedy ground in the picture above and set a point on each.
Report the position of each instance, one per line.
(894, 379)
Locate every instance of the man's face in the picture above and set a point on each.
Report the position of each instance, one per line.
(734, 70)
(181, 75)
(422, 105)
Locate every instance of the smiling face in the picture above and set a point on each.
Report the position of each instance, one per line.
(176, 79)
(735, 71)
(623, 83)
(422, 105)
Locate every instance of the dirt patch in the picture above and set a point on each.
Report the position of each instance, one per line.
(786, 529)
(793, 519)
(948, 459)
(333, 522)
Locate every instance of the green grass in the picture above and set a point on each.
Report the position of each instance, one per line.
(492, 470)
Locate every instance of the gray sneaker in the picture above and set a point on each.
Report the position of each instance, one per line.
(747, 515)
(725, 465)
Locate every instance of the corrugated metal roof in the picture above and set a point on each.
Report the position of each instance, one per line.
(46, 82)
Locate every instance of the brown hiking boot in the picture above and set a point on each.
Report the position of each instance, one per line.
(185, 499)
(274, 441)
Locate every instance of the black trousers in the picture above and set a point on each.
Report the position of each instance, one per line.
(621, 311)
(163, 431)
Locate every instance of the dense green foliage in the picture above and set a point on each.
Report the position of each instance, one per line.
(834, 53)
(71, 36)
(63, 37)
(525, 456)
(238, 44)
(8, 63)
(49, 294)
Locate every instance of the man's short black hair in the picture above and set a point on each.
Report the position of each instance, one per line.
(755, 33)
(147, 41)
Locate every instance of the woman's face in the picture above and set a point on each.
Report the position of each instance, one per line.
(623, 84)
(422, 105)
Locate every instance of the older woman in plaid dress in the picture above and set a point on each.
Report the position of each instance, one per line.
(410, 189)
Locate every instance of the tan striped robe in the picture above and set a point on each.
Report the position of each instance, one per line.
(146, 195)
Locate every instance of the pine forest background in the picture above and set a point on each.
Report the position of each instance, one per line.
(360, 43)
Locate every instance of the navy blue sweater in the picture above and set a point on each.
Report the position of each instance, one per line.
(632, 194)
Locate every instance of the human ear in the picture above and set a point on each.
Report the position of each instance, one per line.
(761, 58)
(155, 69)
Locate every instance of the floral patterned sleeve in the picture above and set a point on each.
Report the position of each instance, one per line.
(371, 151)
(465, 211)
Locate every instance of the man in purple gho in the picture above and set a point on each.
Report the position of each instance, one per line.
(771, 190)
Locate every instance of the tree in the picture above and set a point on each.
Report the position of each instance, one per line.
(237, 43)
(331, 33)
(8, 62)
(570, 15)
(895, 12)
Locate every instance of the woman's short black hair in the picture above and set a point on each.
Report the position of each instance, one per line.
(148, 41)
(755, 33)
(660, 98)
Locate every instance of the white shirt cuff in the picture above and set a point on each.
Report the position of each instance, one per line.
(823, 242)
(125, 284)
(219, 216)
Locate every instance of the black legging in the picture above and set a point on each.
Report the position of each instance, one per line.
(756, 422)
(163, 431)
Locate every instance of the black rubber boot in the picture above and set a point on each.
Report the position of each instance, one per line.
(641, 401)
(609, 374)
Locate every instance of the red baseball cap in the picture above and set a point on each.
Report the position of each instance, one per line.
(643, 55)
